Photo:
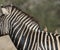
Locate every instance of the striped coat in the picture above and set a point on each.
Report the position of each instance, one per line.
(25, 32)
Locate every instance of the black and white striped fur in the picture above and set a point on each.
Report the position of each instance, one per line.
(25, 32)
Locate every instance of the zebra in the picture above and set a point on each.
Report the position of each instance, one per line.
(25, 33)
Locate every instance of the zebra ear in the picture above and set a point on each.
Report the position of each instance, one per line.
(1, 5)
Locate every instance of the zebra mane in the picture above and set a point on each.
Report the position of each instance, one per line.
(33, 19)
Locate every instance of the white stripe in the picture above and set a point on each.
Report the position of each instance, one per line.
(38, 36)
(34, 37)
(20, 17)
(15, 17)
(58, 45)
(42, 40)
(31, 38)
(8, 17)
(46, 40)
(22, 34)
(35, 47)
(21, 27)
(27, 28)
(38, 47)
(53, 41)
(19, 23)
(23, 30)
(27, 37)
(49, 43)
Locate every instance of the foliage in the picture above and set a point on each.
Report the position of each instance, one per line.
(46, 11)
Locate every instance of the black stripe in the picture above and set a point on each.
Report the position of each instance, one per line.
(28, 29)
(55, 41)
(19, 19)
(44, 34)
(28, 37)
(13, 24)
(36, 39)
(11, 15)
(12, 20)
(18, 22)
(27, 25)
(24, 38)
(13, 33)
(16, 40)
(29, 34)
(51, 41)
(32, 40)
(28, 41)
(16, 18)
(47, 43)
(40, 40)
(18, 28)
(32, 37)
(21, 41)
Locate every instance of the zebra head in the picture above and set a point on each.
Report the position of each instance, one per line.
(6, 9)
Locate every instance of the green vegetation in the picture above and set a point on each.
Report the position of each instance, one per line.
(46, 12)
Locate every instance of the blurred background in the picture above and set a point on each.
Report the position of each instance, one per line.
(45, 12)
